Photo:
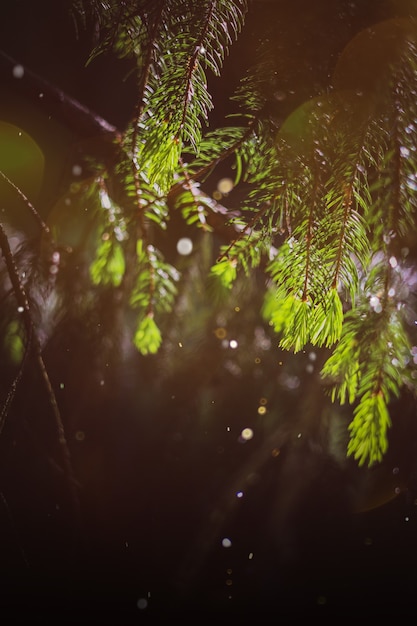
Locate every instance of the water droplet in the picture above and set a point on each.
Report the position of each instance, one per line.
(233, 344)
(18, 71)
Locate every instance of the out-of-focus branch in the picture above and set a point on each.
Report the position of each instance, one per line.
(86, 124)
(67, 110)
(24, 307)
(30, 206)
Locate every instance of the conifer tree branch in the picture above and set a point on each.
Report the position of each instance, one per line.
(192, 67)
(86, 123)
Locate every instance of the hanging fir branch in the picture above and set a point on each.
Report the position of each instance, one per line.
(327, 196)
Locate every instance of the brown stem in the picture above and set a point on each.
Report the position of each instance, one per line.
(63, 107)
(32, 209)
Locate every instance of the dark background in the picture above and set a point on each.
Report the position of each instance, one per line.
(313, 536)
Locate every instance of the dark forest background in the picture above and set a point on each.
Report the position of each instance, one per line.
(163, 474)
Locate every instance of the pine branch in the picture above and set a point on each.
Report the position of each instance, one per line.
(369, 365)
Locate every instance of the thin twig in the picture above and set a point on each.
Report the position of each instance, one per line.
(14, 385)
(28, 203)
(23, 305)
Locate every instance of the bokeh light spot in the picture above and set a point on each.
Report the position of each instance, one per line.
(142, 603)
(184, 246)
(246, 434)
(18, 71)
(220, 333)
(225, 185)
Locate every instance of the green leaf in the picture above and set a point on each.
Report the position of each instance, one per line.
(296, 329)
(155, 287)
(368, 429)
(326, 327)
(147, 337)
(108, 267)
(225, 271)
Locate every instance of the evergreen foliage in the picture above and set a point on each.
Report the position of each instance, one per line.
(328, 199)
